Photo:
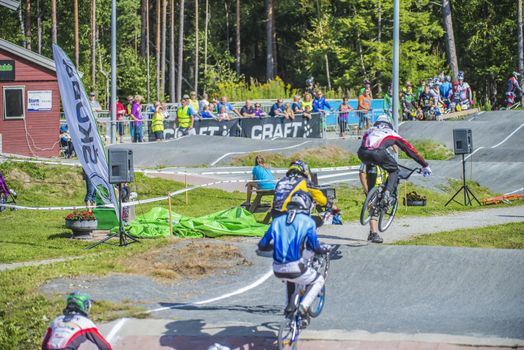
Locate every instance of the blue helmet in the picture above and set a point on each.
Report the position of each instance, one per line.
(298, 167)
(460, 75)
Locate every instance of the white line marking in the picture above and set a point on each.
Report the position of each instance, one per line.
(337, 175)
(475, 151)
(520, 189)
(261, 150)
(480, 113)
(338, 181)
(506, 139)
(115, 329)
(225, 296)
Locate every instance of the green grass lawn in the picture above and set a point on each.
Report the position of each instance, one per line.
(507, 236)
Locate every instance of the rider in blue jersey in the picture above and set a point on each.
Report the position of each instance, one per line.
(294, 241)
(320, 104)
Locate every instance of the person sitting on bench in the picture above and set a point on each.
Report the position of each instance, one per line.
(263, 177)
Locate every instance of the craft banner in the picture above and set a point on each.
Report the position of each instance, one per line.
(268, 128)
(82, 126)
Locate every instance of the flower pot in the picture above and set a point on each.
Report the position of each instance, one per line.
(414, 203)
(81, 229)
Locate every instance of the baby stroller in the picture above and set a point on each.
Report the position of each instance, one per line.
(7, 196)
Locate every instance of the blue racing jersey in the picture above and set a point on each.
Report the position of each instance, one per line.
(289, 240)
(445, 89)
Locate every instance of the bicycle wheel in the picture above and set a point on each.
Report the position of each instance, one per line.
(368, 206)
(386, 217)
(318, 303)
(288, 334)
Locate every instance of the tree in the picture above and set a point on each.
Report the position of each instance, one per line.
(206, 25)
(450, 38)
(270, 69)
(238, 39)
(53, 19)
(172, 52)
(520, 47)
(39, 26)
(163, 63)
(144, 12)
(28, 24)
(157, 47)
(180, 51)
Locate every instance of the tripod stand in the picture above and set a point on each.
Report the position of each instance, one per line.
(464, 188)
(122, 234)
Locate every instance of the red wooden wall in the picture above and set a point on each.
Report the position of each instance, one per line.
(39, 135)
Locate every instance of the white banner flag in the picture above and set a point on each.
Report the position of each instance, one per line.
(82, 126)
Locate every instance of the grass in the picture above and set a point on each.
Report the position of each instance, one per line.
(317, 157)
(506, 236)
(430, 150)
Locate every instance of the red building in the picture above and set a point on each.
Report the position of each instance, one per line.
(29, 103)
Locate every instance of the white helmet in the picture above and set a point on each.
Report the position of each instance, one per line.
(383, 121)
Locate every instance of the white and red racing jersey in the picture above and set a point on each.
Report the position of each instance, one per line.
(378, 138)
(69, 331)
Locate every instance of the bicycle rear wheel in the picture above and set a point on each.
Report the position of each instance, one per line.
(3, 200)
(288, 334)
(368, 206)
(386, 217)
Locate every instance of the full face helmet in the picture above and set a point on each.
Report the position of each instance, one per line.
(78, 302)
(298, 167)
(383, 121)
(301, 202)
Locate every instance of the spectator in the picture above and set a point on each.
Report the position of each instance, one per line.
(95, 106)
(90, 197)
(206, 114)
(308, 102)
(229, 107)
(247, 111)
(277, 110)
(455, 97)
(259, 112)
(408, 102)
(203, 102)
(296, 106)
(136, 116)
(388, 105)
(193, 102)
(223, 115)
(288, 112)
(307, 112)
(320, 104)
(65, 141)
(364, 108)
(120, 112)
(343, 114)
(263, 179)
(157, 122)
(214, 103)
(185, 117)
(420, 89)
(367, 85)
(425, 102)
(445, 91)
(466, 97)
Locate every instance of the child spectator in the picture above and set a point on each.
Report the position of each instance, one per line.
(288, 112)
(343, 114)
(307, 112)
(157, 122)
(296, 106)
(65, 141)
(223, 115)
(206, 114)
(136, 116)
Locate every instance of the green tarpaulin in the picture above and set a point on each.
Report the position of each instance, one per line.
(229, 222)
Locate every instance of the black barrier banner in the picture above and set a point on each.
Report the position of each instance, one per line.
(254, 128)
(268, 128)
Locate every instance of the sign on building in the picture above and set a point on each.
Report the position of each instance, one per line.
(38, 101)
(7, 70)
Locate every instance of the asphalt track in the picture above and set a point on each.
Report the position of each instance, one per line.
(498, 139)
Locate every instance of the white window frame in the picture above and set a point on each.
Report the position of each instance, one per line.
(14, 87)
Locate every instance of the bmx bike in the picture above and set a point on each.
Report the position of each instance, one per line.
(373, 205)
(293, 323)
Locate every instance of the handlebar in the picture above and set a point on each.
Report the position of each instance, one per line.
(410, 172)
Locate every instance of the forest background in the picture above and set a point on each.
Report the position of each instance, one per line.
(267, 49)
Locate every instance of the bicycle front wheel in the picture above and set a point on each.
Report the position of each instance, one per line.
(3, 200)
(368, 206)
(288, 335)
(386, 217)
(318, 303)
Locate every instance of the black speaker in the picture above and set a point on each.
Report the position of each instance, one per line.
(120, 164)
(462, 141)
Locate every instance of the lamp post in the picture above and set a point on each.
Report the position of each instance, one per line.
(396, 54)
(113, 71)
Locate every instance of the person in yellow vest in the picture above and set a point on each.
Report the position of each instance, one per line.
(185, 118)
(193, 102)
(157, 122)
